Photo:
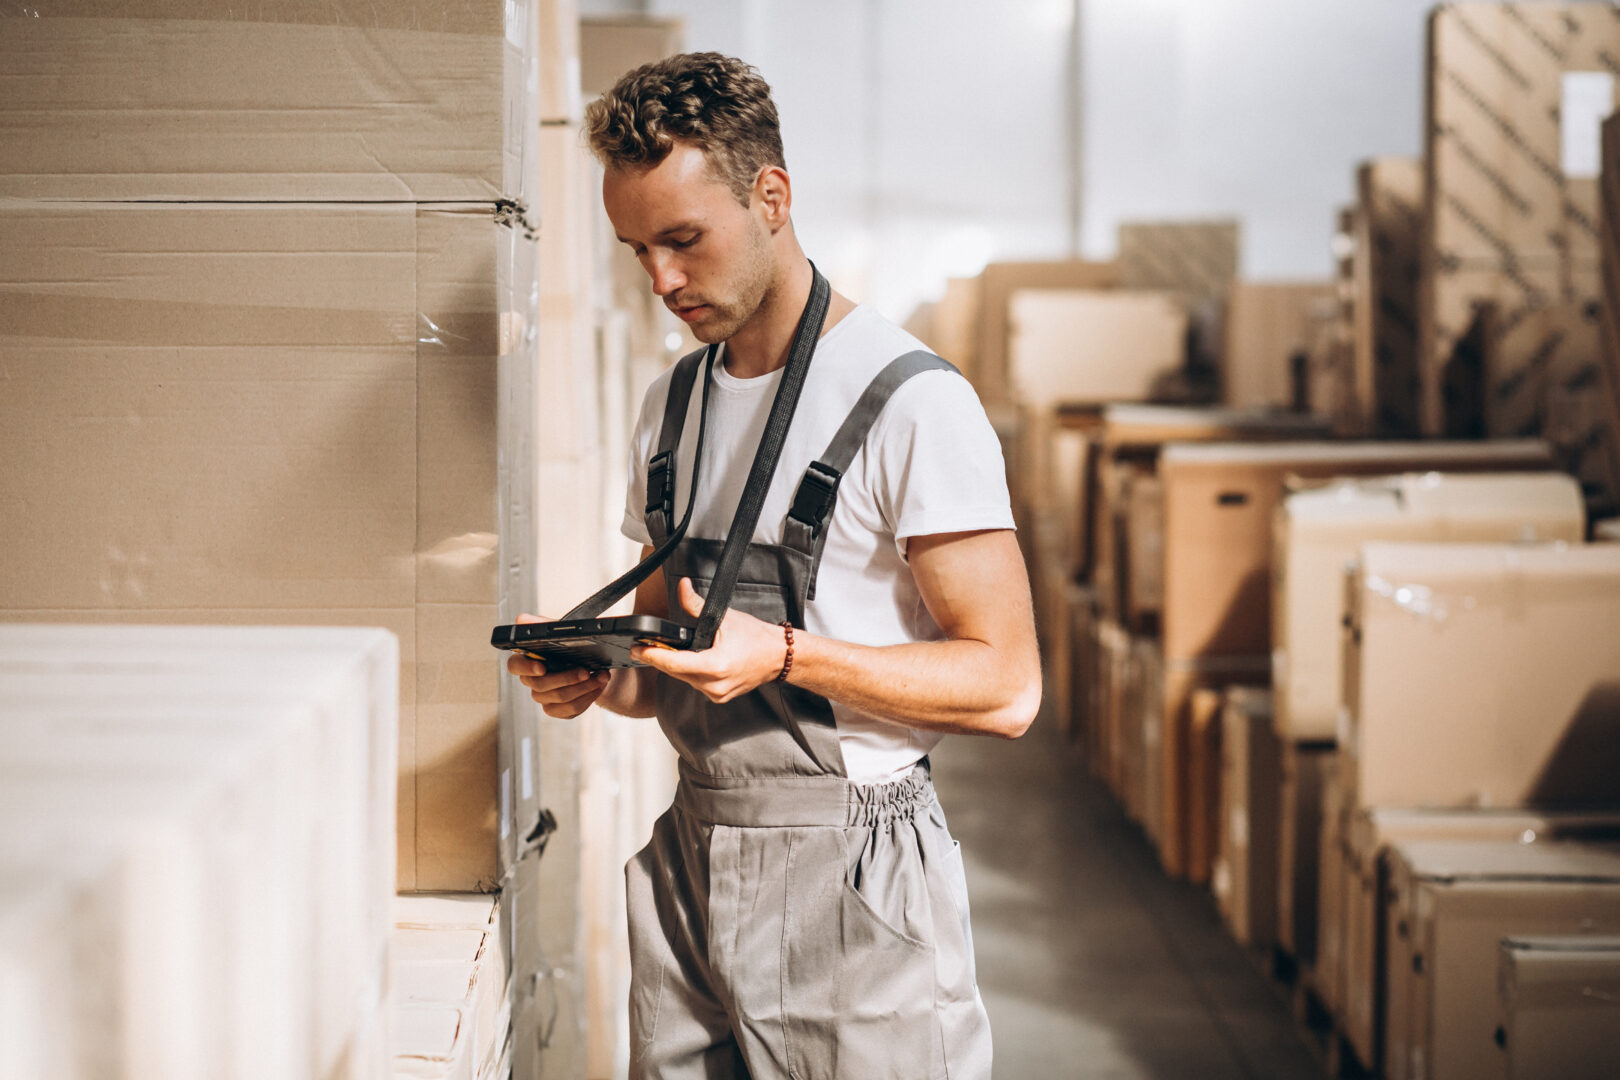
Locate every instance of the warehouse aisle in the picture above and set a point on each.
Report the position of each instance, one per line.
(1093, 964)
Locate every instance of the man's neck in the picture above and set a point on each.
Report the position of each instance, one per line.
(761, 346)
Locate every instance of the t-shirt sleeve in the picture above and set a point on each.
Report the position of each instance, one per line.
(939, 463)
(634, 525)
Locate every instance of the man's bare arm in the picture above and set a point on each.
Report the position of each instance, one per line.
(984, 678)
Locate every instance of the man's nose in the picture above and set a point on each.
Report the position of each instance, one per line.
(666, 276)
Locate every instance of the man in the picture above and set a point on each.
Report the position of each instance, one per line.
(800, 910)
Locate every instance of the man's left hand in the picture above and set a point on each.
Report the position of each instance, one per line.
(746, 653)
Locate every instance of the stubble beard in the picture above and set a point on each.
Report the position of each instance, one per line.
(755, 282)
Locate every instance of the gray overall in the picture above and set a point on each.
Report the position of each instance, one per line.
(785, 922)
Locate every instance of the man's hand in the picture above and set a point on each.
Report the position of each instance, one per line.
(562, 694)
(747, 653)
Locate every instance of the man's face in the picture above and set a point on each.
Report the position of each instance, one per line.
(709, 257)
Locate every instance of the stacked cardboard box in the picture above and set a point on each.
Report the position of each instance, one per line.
(1244, 877)
(1194, 261)
(196, 850)
(1219, 503)
(1319, 531)
(989, 370)
(1386, 252)
(449, 974)
(1368, 835)
(1606, 447)
(1515, 97)
(1268, 324)
(1449, 907)
(1560, 1006)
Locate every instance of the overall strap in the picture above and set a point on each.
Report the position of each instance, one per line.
(763, 470)
(660, 515)
(806, 529)
(661, 473)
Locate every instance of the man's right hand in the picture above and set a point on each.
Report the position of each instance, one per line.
(562, 694)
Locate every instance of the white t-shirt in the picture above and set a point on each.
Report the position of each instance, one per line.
(931, 464)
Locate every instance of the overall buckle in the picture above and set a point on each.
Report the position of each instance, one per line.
(818, 491)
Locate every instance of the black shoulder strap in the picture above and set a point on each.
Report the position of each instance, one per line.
(661, 472)
(765, 459)
(660, 509)
(806, 528)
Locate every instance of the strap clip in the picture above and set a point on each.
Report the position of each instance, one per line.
(661, 485)
(818, 491)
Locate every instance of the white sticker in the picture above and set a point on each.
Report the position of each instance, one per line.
(506, 803)
(528, 771)
(1588, 101)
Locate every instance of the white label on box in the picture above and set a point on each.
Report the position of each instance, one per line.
(506, 803)
(1588, 101)
(528, 770)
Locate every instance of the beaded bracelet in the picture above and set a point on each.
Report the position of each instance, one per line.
(787, 661)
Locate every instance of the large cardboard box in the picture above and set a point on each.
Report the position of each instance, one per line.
(1449, 906)
(1091, 344)
(1368, 834)
(449, 978)
(1318, 532)
(1305, 771)
(611, 46)
(1560, 1006)
(1328, 974)
(1267, 325)
(310, 100)
(996, 284)
(1485, 675)
(292, 413)
(1244, 878)
(195, 848)
(1195, 261)
(1387, 269)
(1515, 97)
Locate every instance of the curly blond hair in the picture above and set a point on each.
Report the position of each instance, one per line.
(716, 103)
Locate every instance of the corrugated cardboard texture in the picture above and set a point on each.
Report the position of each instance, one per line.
(1387, 260)
(449, 987)
(1560, 1005)
(1488, 675)
(292, 99)
(284, 414)
(1266, 324)
(1505, 221)
(1458, 902)
(1319, 531)
(1067, 345)
(1197, 261)
(997, 283)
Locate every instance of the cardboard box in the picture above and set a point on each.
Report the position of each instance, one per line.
(292, 414)
(1267, 324)
(1219, 503)
(997, 283)
(305, 101)
(1143, 780)
(611, 46)
(1142, 541)
(1305, 768)
(195, 844)
(1451, 904)
(1485, 675)
(1083, 664)
(1318, 532)
(1113, 664)
(1091, 344)
(1328, 973)
(1560, 1006)
(449, 979)
(1515, 98)
(1244, 878)
(1195, 261)
(1204, 782)
(1387, 268)
(1188, 766)
(1368, 834)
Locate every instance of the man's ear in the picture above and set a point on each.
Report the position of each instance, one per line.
(773, 193)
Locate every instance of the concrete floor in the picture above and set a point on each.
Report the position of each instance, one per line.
(1094, 964)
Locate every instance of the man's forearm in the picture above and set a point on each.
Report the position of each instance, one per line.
(631, 692)
(962, 686)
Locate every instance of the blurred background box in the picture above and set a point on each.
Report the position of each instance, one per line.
(1560, 1006)
(1319, 532)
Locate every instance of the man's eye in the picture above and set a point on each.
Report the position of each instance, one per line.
(685, 242)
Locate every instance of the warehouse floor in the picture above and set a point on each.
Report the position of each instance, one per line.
(1094, 964)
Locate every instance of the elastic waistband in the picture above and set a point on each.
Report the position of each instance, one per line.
(801, 801)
